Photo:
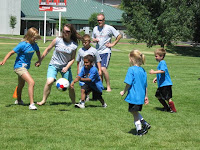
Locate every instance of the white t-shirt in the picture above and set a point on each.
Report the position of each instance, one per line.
(104, 36)
(62, 53)
(82, 52)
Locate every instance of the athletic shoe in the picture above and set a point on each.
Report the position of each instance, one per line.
(80, 105)
(142, 132)
(19, 102)
(87, 98)
(32, 107)
(146, 126)
(104, 105)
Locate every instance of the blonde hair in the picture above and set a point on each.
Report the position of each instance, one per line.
(136, 58)
(31, 35)
(160, 52)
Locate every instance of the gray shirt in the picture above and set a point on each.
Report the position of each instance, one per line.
(62, 53)
(82, 52)
(104, 36)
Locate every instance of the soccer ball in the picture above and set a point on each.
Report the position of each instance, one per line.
(62, 84)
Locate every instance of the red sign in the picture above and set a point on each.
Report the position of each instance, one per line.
(52, 5)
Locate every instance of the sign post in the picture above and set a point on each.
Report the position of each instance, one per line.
(52, 5)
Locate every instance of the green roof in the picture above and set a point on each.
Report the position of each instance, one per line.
(78, 11)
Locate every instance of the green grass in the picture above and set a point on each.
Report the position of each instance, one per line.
(58, 125)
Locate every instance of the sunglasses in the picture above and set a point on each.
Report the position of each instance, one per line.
(100, 20)
(66, 31)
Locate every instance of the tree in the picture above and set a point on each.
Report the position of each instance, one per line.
(158, 21)
(93, 20)
(63, 22)
(13, 22)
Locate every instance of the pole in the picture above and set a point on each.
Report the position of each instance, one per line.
(59, 22)
(45, 20)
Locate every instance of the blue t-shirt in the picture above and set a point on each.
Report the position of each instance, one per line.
(25, 53)
(92, 73)
(163, 79)
(136, 77)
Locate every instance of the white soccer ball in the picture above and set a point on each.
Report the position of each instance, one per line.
(62, 84)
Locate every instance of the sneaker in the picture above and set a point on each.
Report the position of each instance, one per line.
(87, 98)
(32, 107)
(146, 126)
(142, 132)
(19, 102)
(80, 105)
(104, 105)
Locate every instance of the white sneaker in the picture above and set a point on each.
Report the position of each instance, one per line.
(80, 105)
(87, 98)
(19, 102)
(32, 107)
(104, 105)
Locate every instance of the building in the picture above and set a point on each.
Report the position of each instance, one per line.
(78, 12)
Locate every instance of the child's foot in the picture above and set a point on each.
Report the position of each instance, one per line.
(146, 126)
(32, 107)
(87, 98)
(108, 90)
(41, 103)
(19, 102)
(104, 105)
(80, 105)
(142, 132)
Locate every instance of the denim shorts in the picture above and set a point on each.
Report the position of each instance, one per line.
(53, 71)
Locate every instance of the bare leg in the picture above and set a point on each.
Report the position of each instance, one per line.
(27, 77)
(72, 95)
(21, 84)
(107, 79)
(47, 90)
(83, 95)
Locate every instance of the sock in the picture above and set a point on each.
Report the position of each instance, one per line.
(82, 102)
(138, 125)
(164, 103)
(171, 105)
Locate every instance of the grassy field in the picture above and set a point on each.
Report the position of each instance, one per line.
(59, 125)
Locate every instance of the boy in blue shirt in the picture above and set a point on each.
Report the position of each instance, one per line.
(164, 91)
(90, 76)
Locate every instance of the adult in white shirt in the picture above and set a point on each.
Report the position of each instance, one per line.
(102, 35)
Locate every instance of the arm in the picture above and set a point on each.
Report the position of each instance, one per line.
(125, 89)
(156, 72)
(75, 80)
(6, 57)
(99, 68)
(115, 42)
(70, 62)
(146, 100)
(39, 59)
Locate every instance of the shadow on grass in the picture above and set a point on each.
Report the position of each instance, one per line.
(184, 50)
(60, 103)
(10, 105)
(133, 131)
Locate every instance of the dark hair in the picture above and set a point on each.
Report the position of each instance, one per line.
(74, 35)
(90, 58)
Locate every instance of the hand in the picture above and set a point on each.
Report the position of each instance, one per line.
(72, 85)
(151, 71)
(38, 63)
(2, 63)
(100, 72)
(109, 44)
(122, 93)
(64, 69)
(95, 40)
(154, 80)
(146, 100)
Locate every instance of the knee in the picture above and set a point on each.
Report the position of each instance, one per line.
(31, 83)
(49, 82)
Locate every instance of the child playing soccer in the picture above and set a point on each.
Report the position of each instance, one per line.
(136, 85)
(25, 51)
(87, 50)
(89, 75)
(164, 91)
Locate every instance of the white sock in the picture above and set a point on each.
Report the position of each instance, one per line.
(138, 125)
(82, 102)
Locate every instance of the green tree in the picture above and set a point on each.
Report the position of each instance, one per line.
(63, 22)
(13, 22)
(158, 21)
(93, 20)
